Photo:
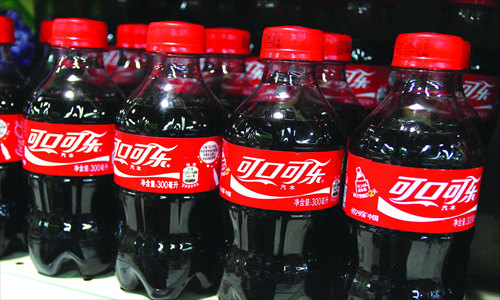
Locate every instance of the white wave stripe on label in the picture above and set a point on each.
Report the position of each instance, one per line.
(365, 95)
(237, 187)
(263, 181)
(37, 161)
(484, 107)
(165, 175)
(393, 212)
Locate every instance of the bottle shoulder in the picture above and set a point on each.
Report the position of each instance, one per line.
(402, 135)
(172, 108)
(74, 98)
(12, 98)
(287, 118)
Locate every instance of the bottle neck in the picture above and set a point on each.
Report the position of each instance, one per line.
(225, 63)
(332, 71)
(288, 72)
(6, 53)
(78, 58)
(131, 53)
(425, 81)
(175, 66)
(9, 73)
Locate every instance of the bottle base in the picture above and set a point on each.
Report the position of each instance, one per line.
(89, 261)
(131, 278)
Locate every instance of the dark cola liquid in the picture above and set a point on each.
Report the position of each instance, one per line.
(13, 209)
(231, 101)
(13, 202)
(170, 243)
(73, 220)
(284, 254)
(392, 264)
(350, 116)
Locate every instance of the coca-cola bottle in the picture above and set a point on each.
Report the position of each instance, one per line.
(472, 20)
(68, 143)
(281, 171)
(13, 92)
(224, 70)
(167, 163)
(133, 63)
(412, 228)
(46, 62)
(372, 42)
(465, 105)
(333, 83)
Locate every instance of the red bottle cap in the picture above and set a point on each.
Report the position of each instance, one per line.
(227, 41)
(292, 42)
(131, 36)
(466, 55)
(426, 50)
(46, 31)
(337, 47)
(6, 30)
(176, 37)
(79, 33)
(489, 3)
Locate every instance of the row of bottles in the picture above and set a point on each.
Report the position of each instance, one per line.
(166, 189)
(371, 23)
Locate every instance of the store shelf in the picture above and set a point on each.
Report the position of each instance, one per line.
(20, 280)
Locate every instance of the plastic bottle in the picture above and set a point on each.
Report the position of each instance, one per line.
(472, 20)
(167, 163)
(13, 204)
(133, 63)
(465, 105)
(423, 159)
(68, 142)
(333, 83)
(372, 42)
(224, 70)
(46, 62)
(281, 172)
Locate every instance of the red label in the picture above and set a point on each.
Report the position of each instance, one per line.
(411, 199)
(280, 180)
(167, 165)
(483, 93)
(67, 149)
(11, 138)
(254, 69)
(370, 84)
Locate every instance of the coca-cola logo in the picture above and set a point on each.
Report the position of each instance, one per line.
(85, 141)
(294, 172)
(281, 180)
(160, 164)
(411, 199)
(414, 190)
(359, 79)
(477, 90)
(67, 149)
(151, 154)
(18, 130)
